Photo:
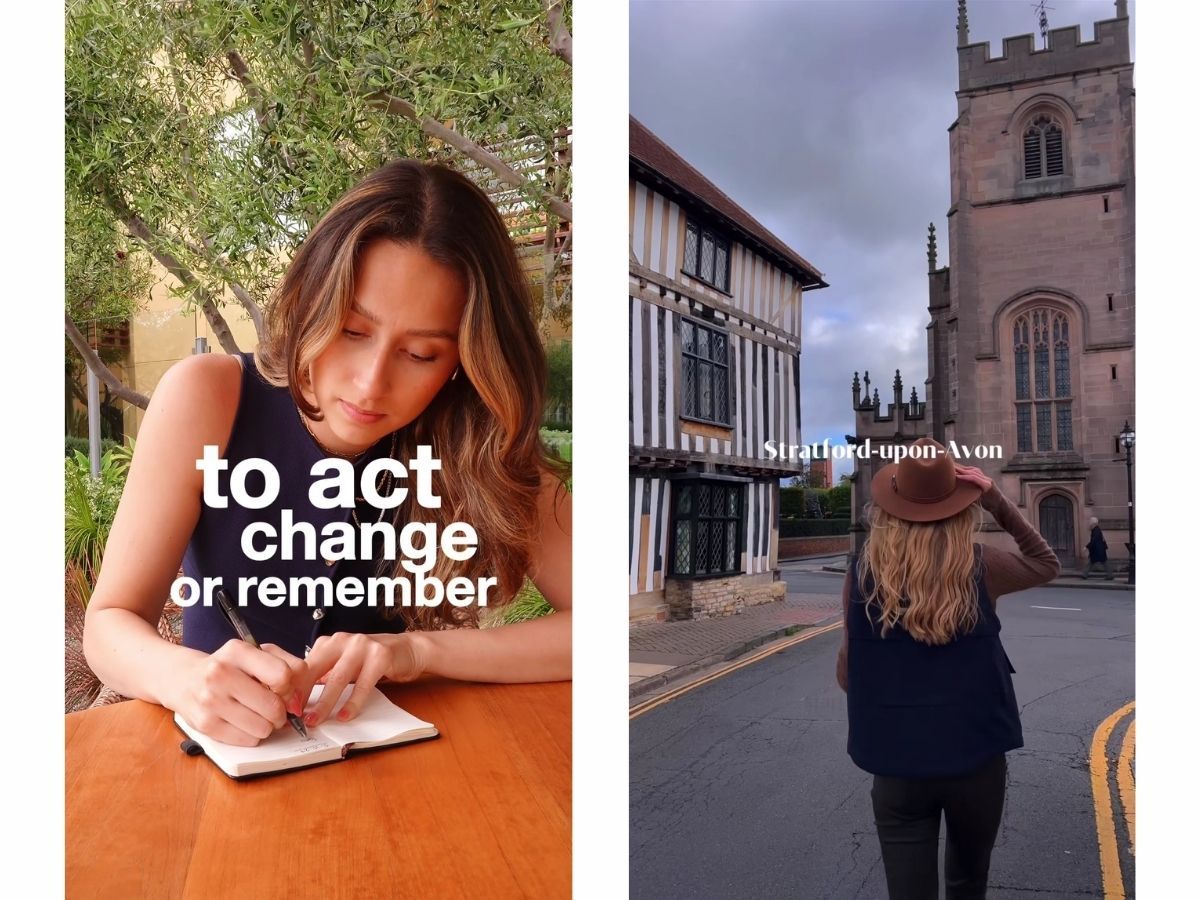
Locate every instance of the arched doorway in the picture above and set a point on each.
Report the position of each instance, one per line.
(1056, 518)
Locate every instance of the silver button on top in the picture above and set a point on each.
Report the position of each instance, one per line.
(318, 614)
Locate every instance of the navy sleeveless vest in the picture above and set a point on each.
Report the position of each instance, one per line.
(921, 711)
(268, 426)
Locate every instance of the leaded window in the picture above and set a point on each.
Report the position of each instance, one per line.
(706, 256)
(705, 386)
(1043, 148)
(1063, 411)
(1044, 441)
(1024, 428)
(1043, 419)
(707, 528)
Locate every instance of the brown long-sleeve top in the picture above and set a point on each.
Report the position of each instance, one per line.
(1003, 572)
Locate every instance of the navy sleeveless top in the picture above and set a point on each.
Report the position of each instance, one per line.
(922, 711)
(268, 426)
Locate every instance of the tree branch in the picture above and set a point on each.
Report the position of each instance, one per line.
(564, 249)
(242, 72)
(152, 242)
(103, 372)
(552, 262)
(244, 298)
(396, 107)
(549, 267)
(560, 37)
(214, 259)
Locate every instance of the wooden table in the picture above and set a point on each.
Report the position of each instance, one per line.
(483, 811)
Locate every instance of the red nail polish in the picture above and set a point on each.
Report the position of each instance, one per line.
(343, 715)
(310, 720)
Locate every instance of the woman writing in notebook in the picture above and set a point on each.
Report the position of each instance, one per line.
(930, 698)
(402, 320)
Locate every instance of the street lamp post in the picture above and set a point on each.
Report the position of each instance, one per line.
(1127, 437)
(857, 485)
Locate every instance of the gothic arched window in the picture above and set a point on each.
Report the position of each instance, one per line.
(1043, 148)
(1042, 349)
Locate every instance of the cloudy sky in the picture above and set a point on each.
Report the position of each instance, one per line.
(826, 120)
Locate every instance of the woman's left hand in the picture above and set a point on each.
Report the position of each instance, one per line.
(362, 660)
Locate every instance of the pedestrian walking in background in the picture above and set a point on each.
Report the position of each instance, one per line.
(930, 698)
(1098, 551)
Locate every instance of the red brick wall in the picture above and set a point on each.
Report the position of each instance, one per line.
(793, 547)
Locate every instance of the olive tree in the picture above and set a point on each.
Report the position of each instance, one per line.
(209, 135)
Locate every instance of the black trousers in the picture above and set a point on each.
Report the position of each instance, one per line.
(908, 817)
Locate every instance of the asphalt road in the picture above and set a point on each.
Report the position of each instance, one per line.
(742, 787)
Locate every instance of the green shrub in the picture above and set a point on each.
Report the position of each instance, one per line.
(528, 604)
(839, 501)
(558, 366)
(813, 527)
(791, 501)
(80, 445)
(557, 414)
(91, 505)
(558, 442)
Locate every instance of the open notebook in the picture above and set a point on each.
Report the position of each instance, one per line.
(380, 724)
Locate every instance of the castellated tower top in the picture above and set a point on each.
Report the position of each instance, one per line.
(1021, 61)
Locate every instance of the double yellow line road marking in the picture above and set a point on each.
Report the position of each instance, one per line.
(1102, 795)
(771, 648)
(1106, 823)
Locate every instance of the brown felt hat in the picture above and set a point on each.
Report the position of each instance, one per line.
(922, 487)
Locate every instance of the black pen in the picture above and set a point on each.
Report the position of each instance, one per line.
(243, 632)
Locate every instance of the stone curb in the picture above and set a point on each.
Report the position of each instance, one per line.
(1069, 582)
(678, 673)
(1092, 585)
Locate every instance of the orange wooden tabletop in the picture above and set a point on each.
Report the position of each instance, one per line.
(483, 811)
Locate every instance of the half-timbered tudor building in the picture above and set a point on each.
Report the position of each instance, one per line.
(714, 374)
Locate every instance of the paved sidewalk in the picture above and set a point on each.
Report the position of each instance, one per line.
(663, 652)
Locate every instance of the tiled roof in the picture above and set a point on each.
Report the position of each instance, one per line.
(648, 149)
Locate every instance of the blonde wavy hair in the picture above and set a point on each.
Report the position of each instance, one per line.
(921, 575)
(484, 427)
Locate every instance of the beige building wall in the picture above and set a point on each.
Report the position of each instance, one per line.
(164, 332)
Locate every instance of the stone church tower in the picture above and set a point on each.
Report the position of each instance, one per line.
(1031, 332)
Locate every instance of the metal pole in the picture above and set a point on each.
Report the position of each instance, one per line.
(857, 501)
(1129, 481)
(93, 409)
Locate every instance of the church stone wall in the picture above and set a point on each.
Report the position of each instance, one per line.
(1064, 241)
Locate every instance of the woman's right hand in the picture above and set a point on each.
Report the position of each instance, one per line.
(237, 694)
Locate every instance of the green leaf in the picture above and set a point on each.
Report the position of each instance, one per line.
(516, 23)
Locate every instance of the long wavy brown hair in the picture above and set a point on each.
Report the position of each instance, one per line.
(921, 575)
(483, 427)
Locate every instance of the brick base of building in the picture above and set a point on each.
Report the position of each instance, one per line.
(715, 598)
(795, 547)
